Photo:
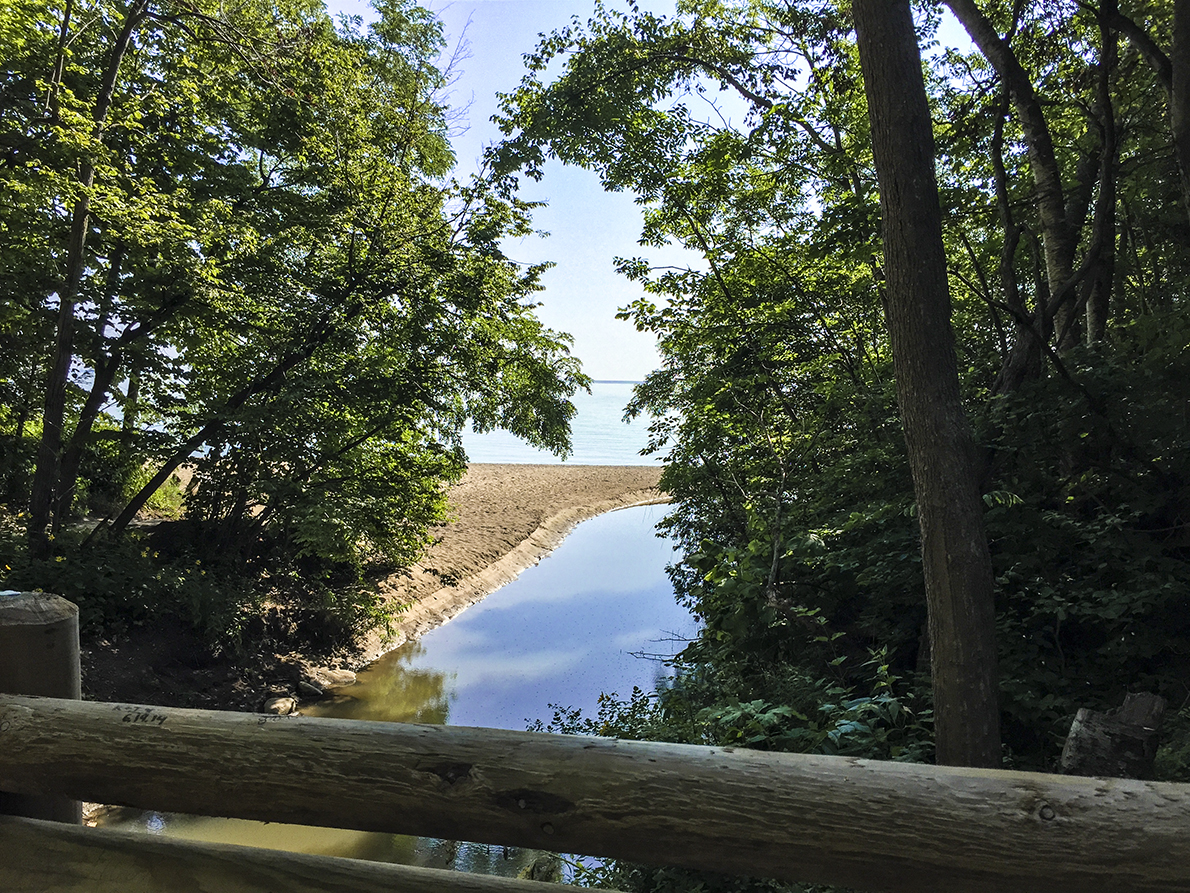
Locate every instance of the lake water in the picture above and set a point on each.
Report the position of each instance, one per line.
(598, 432)
(576, 625)
(563, 632)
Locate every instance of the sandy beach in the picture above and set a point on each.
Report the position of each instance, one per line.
(506, 518)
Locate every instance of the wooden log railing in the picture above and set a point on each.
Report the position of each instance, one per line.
(50, 857)
(858, 823)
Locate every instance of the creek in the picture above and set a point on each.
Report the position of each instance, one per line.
(596, 616)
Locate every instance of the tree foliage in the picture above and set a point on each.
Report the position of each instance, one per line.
(231, 241)
(742, 128)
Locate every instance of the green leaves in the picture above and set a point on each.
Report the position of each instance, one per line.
(279, 283)
(742, 129)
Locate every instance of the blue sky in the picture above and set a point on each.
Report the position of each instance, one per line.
(588, 227)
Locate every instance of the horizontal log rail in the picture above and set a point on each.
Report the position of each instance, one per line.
(863, 824)
(39, 856)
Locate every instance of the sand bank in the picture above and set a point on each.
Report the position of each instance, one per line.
(507, 518)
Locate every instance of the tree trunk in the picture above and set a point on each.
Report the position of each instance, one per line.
(958, 573)
(105, 373)
(46, 477)
(68, 470)
(1120, 743)
(1059, 237)
(1022, 362)
(1104, 228)
(1179, 101)
(49, 450)
(1173, 74)
(12, 464)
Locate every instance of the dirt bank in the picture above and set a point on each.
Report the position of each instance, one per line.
(507, 517)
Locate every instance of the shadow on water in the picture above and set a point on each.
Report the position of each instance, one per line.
(395, 689)
(562, 633)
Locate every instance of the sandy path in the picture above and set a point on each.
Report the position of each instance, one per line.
(508, 517)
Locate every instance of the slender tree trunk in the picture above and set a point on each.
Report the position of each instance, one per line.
(1173, 74)
(1104, 228)
(131, 419)
(131, 406)
(105, 373)
(1179, 101)
(46, 477)
(958, 573)
(1022, 362)
(13, 461)
(1059, 237)
(49, 449)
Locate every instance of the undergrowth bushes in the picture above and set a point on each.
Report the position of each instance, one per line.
(813, 635)
(231, 601)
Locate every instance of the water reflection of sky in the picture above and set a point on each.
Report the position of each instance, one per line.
(562, 633)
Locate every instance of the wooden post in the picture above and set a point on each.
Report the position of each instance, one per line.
(39, 655)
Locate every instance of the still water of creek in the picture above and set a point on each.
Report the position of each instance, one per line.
(563, 632)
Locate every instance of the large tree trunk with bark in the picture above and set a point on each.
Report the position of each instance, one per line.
(958, 573)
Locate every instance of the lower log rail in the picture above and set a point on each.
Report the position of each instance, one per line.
(858, 823)
(36, 856)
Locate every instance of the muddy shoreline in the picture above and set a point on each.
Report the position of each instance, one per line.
(506, 518)
(437, 607)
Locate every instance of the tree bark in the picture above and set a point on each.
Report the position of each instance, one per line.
(1022, 362)
(1104, 227)
(1120, 743)
(46, 473)
(105, 373)
(958, 573)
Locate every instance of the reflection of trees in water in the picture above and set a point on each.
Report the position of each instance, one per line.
(392, 691)
(476, 858)
(479, 858)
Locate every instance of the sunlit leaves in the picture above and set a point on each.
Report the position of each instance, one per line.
(277, 257)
